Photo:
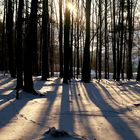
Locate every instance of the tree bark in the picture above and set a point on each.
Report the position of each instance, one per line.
(45, 31)
(86, 76)
(66, 44)
(19, 51)
(29, 48)
(9, 32)
(61, 39)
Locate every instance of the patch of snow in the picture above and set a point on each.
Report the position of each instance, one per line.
(102, 110)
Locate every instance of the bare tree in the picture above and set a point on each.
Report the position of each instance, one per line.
(60, 39)
(45, 32)
(66, 43)
(86, 76)
(31, 41)
(19, 47)
(9, 33)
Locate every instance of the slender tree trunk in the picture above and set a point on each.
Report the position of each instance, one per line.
(19, 52)
(86, 76)
(97, 46)
(130, 28)
(118, 57)
(3, 40)
(45, 32)
(71, 46)
(29, 48)
(66, 44)
(100, 39)
(77, 27)
(52, 51)
(114, 42)
(60, 39)
(9, 32)
(138, 72)
(106, 58)
(121, 38)
(124, 55)
(118, 46)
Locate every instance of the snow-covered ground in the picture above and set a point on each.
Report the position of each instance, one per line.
(104, 110)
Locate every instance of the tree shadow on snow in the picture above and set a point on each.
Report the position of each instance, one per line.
(117, 123)
(10, 107)
(81, 111)
(45, 112)
(66, 119)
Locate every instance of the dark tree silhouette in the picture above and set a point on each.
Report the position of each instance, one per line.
(106, 41)
(60, 39)
(114, 40)
(19, 52)
(130, 40)
(66, 44)
(120, 39)
(9, 33)
(3, 43)
(31, 40)
(86, 77)
(100, 39)
(45, 32)
(138, 72)
(71, 43)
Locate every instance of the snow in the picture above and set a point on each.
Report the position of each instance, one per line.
(102, 110)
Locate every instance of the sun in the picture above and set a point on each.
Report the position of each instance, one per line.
(70, 6)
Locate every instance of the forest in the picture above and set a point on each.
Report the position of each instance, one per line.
(71, 37)
(82, 60)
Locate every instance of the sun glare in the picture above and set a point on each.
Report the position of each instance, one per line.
(70, 6)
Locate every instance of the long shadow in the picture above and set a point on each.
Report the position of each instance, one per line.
(10, 107)
(121, 93)
(45, 112)
(131, 96)
(108, 94)
(81, 109)
(117, 123)
(5, 81)
(6, 98)
(119, 110)
(38, 84)
(130, 93)
(134, 88)
(13, 107)
(66, 119)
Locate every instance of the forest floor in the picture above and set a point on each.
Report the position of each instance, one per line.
(105, 110)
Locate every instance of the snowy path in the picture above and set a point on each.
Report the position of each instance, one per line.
(103, 110)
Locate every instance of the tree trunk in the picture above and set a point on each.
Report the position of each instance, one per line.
(114, 42)
(45, 32)
(66, 44)
(86, 76)
(122, 37)
(130, 28)
(60, 39)
(100, 40)
(29, 48)
(138, 72)
(106, 50)
(9, 32)
(19, 52)
(71, 45)
(4, 67)
(77, 27)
